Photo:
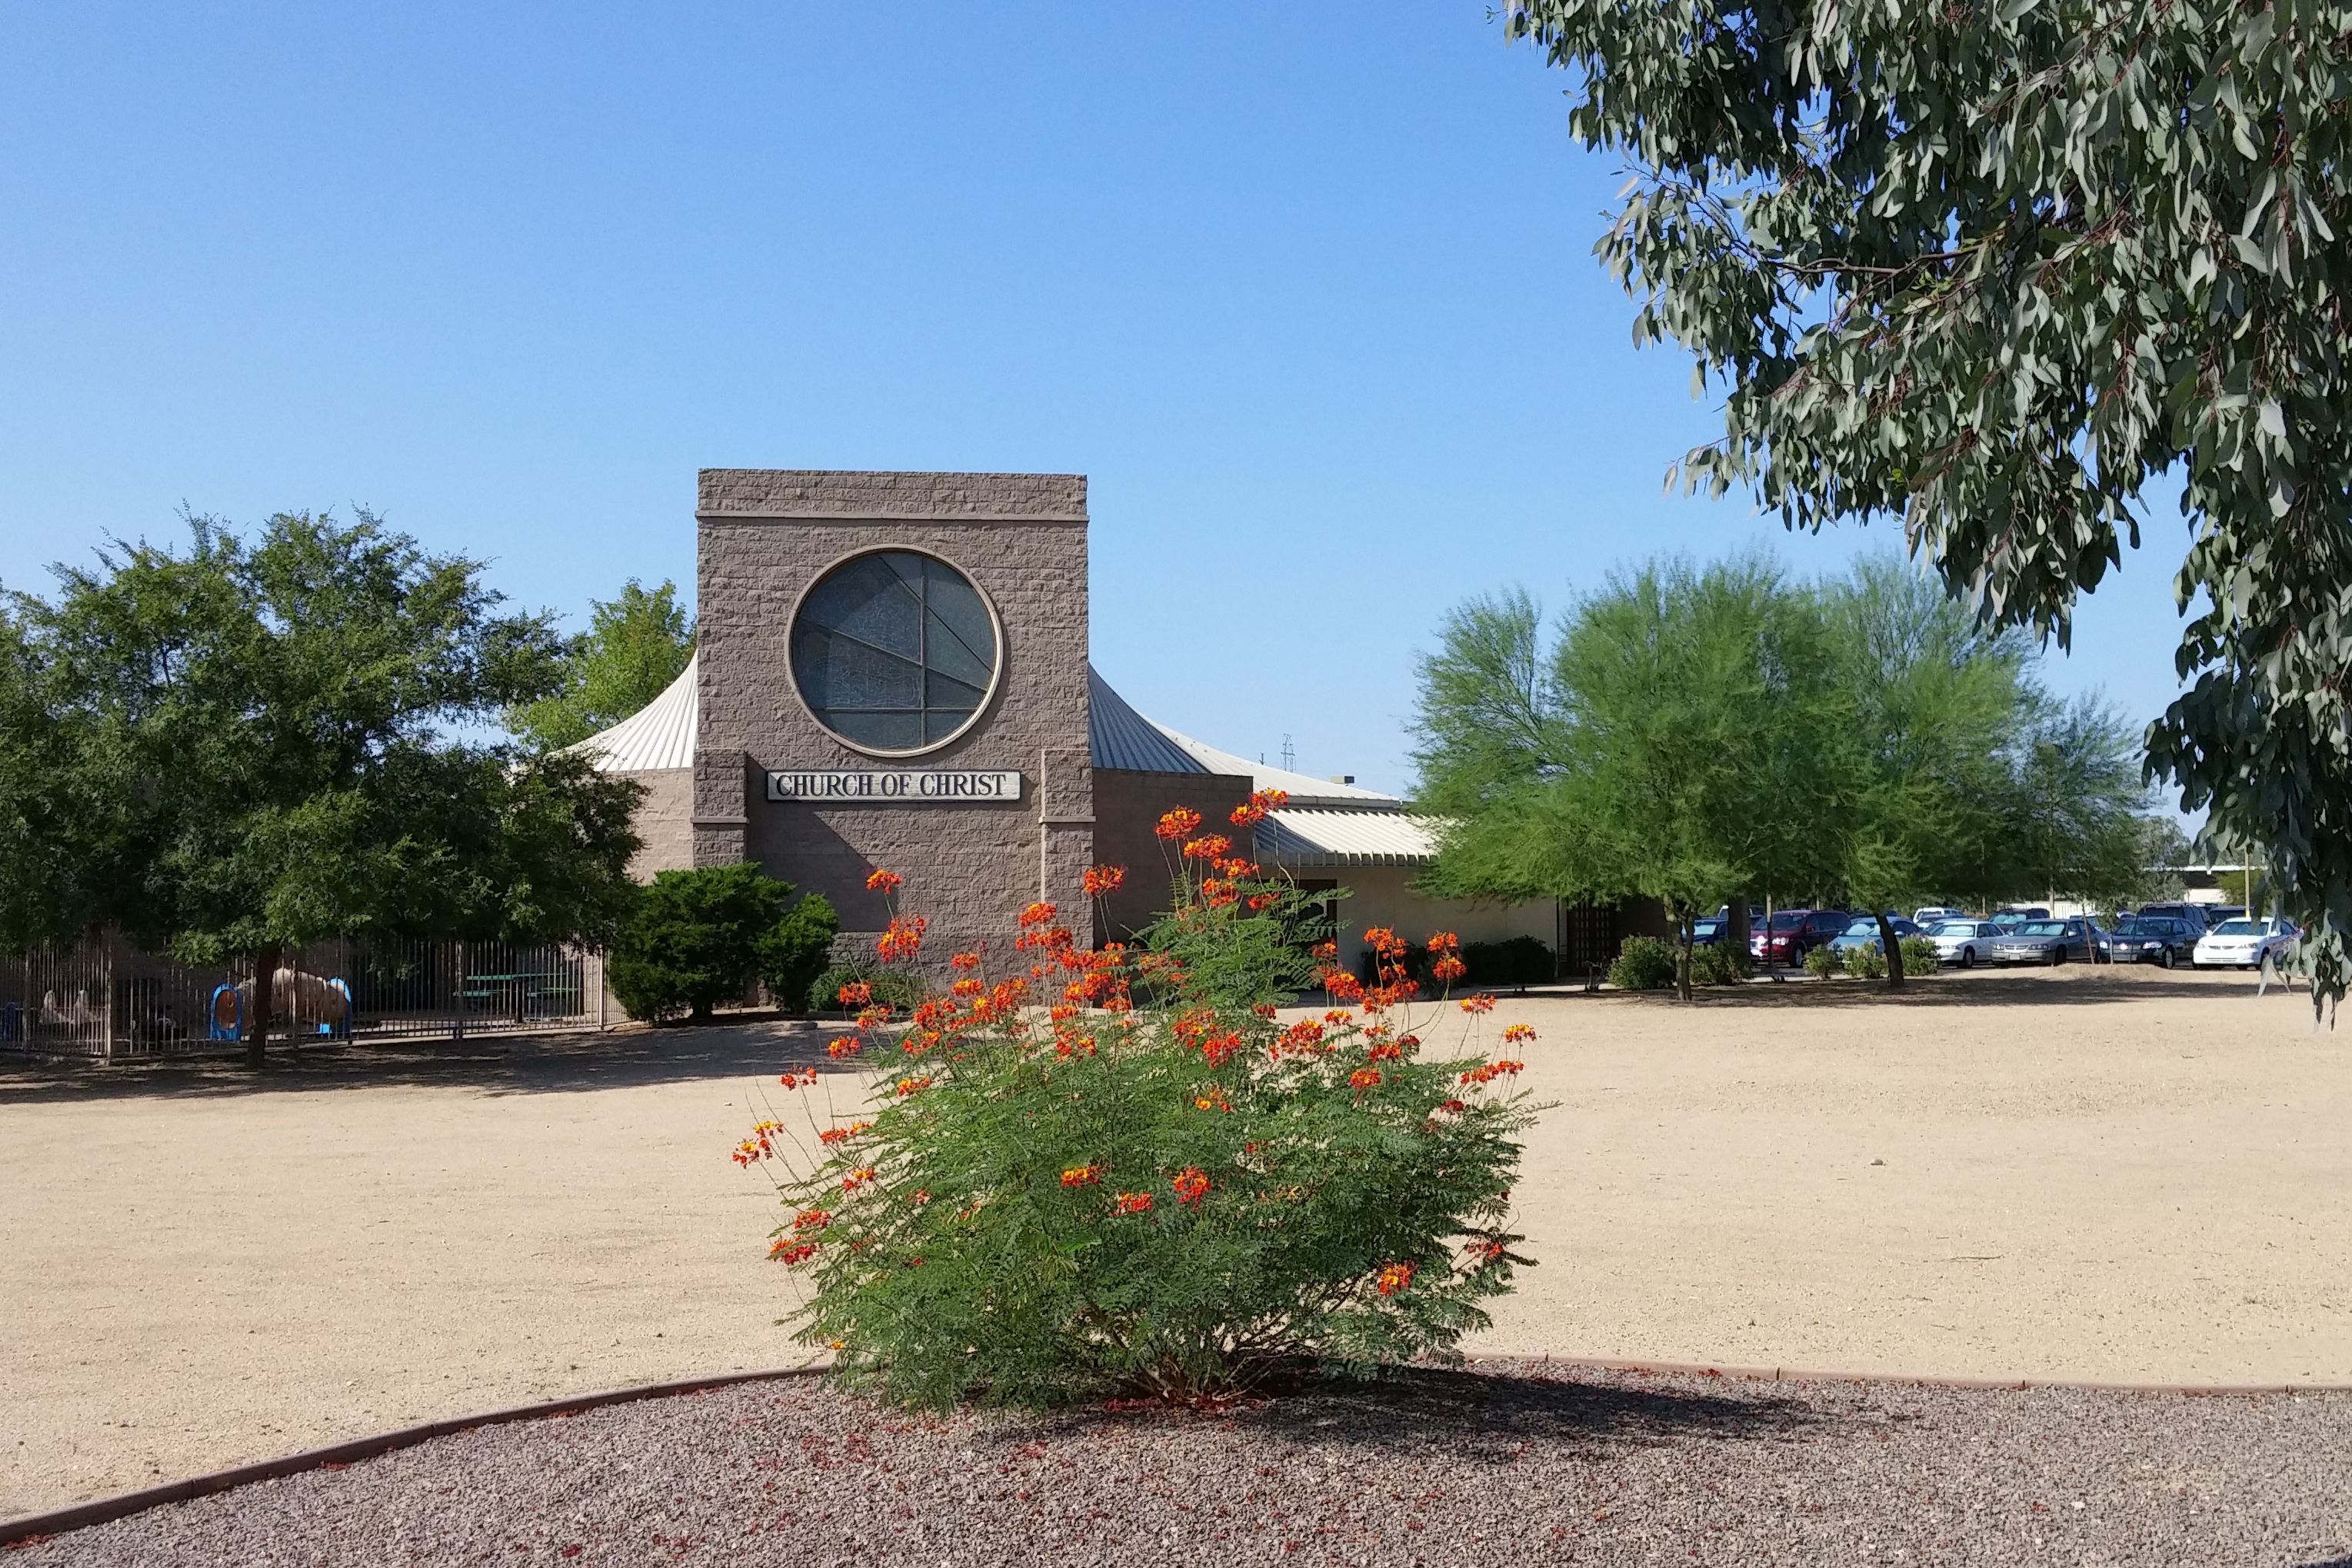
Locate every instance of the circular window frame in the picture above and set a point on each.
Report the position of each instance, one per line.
(996, 671)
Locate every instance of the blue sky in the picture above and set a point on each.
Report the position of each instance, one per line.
(1308, 295)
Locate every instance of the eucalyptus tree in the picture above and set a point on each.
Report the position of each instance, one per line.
(2001, 271)
(252, 745)
(1674, 742)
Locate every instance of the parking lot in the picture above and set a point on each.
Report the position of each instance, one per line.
(2091, 1172)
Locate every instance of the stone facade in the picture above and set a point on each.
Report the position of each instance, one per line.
(764, 537)
(1128, 808)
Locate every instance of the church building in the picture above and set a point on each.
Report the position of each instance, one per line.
(892, 673)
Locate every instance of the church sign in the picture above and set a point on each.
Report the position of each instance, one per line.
(887, 787)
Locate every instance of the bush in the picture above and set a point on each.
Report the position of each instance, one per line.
(1865, 963)
(902, 990)
(1644, 964)
(794, 952)
(695, 938)
(1919, 957)
(1720, 963)
(1823, 961)
(1521, 961)
(1183, 1201)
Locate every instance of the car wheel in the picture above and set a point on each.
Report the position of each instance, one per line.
(2165, 958)
(1968, 957)
(2057, 956)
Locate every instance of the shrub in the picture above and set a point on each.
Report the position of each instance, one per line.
(1720, 963)
(1823, 961)
(794, 952)
(1644, 964)
(694, 939)
(1520, 961)
(1042, 1206)
(900, 989)
(1865, 963)
(1919, 957)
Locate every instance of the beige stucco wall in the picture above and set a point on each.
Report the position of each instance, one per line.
(664, 820)
(1382, 895)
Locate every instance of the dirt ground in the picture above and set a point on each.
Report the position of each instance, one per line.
(2092, 1174)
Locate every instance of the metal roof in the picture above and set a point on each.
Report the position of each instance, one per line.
(1121, 737)
(658, 736)
(1293, 838)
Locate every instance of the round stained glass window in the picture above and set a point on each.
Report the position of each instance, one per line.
(894, 651)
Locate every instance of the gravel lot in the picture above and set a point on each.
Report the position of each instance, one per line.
(1514, 1462)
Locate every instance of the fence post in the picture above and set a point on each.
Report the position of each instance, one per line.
(106, 986)
(599, 957)
(457, 994)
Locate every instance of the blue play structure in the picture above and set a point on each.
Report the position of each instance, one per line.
(228, 1021)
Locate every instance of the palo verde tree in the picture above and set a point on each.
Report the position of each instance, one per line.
(1996, 270)
(1958, 774)
(254, 744)
(634, 646)
(1674, 743)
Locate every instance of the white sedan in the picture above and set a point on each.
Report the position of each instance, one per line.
(2244, 944)
(1963, 942)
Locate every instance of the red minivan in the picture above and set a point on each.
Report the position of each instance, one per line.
(1795, 933)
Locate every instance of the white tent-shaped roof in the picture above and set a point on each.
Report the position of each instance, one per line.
(658, 736)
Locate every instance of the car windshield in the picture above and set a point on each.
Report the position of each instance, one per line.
(1954, 928)
(1862, 928)
(1785, 921)
(2043, 928)
(2236, 928)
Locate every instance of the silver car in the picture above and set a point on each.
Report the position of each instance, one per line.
(2045, 942)
(1967, 943)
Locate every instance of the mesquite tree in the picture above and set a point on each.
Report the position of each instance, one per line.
(1999, 270)
(235, 748)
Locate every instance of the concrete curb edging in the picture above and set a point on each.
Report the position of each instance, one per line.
(29, 1529)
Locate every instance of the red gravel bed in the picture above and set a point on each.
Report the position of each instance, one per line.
(1503, 1464)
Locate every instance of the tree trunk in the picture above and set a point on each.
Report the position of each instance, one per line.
(256, 1023)
(1683, 945)
(1894, 951)
(1738, 932)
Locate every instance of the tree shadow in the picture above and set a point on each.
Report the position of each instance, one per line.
(1485, 1417)
(506, 1064)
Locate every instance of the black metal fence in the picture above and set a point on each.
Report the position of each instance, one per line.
(107, 998)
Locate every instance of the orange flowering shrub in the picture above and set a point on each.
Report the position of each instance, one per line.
(1133, 1170)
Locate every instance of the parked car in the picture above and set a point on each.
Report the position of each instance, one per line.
(2045, 942)
(2194, 913)
(1967, 943)
(2150, 939)
(1708, 929)
(2018, 914)
(1935, 913)
(2222, 913)
(2244, 944)
(1795, 933)
(1863, 932)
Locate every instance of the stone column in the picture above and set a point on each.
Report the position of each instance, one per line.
(1065, 834)
(723, 788)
